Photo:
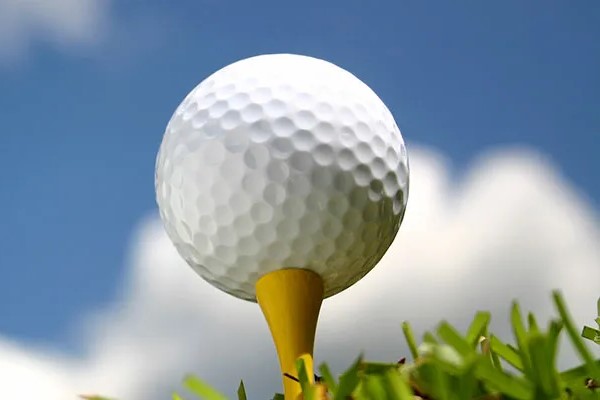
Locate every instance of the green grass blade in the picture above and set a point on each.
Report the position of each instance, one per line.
(303, 378)
(448, 359)
(451, 336)
(396, 387)
(449, 366)
(486, 344)
(553, 335)
(94, 397)
(429, 338)
(410, 339)
(348, 381)
(518, 327)
(467, 383)
(575, 379)
(496, 361)
(478, 327)
(533, 325)
(241, 392)
(584, 353)
(542, 365)
(591, 334)
(577, 374)
(376, 368)
(202, 390)
(432, 380)
(497, 380)
(327, 377)
(373, 388)
(441, 381)
(520, 334)
(506, 352)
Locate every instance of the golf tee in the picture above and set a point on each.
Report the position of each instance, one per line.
(290, 300)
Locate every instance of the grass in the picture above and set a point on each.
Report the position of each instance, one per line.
(452, 365)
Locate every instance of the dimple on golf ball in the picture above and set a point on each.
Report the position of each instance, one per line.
(281, 161)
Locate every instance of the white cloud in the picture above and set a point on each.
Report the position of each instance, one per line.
(512, 227)
(64, 23)
(33, 373)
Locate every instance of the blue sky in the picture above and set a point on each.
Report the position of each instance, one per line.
(81, 123)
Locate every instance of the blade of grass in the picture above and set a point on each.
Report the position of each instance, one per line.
(576, 374)
(201, 389)
(496, 361)
(533, 325)
(575, 379)
(451, 336)
(348, 381)
(467, 383)
(507, 353)
(175, 396)
(520, 334)
(433, 381)
(585, 354)
(442, 381)
(554, 331)
(373, 388)
(376, 367)
(448, 359)
(410, 339)
(303, 378)
(93, 397)
(486, 350)
(542, 365)
(503, 383)
(396, 387)
(429, 338)
(591, 334)
(478, 328)
(328, 377)
(241, 392)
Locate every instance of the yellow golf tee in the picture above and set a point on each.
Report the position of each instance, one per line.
(290, 300)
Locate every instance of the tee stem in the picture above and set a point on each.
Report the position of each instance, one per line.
(290, 300)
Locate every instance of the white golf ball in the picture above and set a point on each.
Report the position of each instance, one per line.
(281, 161)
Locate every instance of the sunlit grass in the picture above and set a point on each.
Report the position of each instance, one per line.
(452, 365)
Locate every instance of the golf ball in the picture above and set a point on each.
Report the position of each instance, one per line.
(281, 161)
